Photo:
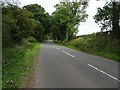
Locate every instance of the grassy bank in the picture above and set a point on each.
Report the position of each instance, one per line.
(98, 44)
(18, 64)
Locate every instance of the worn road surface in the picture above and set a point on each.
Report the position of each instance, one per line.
(61, 67)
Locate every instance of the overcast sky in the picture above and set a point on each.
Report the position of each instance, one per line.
(90, 26)
(87, 27)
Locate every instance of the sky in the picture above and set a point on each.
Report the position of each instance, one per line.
(87, 27)
(90, 26)
(47, 4)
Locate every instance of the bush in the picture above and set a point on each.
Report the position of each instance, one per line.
(31, 40)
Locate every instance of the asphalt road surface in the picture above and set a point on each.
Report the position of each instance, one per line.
(61, 67)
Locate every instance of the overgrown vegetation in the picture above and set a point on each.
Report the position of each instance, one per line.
(18, 64)
(100, 44)
(20, 44)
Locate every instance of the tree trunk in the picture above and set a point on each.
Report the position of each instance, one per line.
(115, 20)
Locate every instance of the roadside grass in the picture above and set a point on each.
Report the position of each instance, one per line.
(18, 64)
(97, 45)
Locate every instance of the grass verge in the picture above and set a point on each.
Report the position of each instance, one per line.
(18, 64)
(101, 53)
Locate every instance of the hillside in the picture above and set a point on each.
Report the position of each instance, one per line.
(99, 44)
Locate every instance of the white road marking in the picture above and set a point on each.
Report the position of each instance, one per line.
(57, 48)
(53, 46)
(104, 72)
(68, 53)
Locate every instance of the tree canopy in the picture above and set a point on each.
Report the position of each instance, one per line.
(66, 19)
(33, 20)
(19, 23)
(42, 19)
(108, 18)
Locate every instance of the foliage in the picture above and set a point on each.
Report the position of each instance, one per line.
(18, 64)
(42, 19)
(66, 18)
(17, 24)
(31, 39)
(108, 18)
(39, 32)
(18, 27)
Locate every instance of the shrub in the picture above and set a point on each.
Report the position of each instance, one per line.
(31, 39)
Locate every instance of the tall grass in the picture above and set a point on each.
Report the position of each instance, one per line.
(18, 63)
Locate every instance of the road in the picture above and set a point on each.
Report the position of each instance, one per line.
(61, 67)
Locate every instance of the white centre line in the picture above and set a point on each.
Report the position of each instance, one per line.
(53, 46)
(104, 72)
(68, 53)
(57, 48)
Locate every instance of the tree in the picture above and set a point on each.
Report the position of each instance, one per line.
(39, 32)
(16, 23)
(41, 16)
(116, 19)
(67, 18)
(108, 18)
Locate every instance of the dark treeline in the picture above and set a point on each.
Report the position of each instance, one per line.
(20, 23)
